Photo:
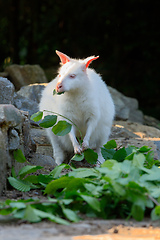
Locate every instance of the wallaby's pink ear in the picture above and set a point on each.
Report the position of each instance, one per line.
(89, 60)
(64, 58)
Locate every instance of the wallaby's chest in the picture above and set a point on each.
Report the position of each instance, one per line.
(78, 110)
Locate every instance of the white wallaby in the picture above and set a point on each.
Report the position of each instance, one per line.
(86, 101)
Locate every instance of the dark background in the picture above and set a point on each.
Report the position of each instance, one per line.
(125, 34)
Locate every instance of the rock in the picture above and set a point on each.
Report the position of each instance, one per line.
(14, 134)
(142, 136)
(25, 104)
(126, 107)
(28, 98)
(25, 75)
(32, 91)
(6, 91)
(42, 160)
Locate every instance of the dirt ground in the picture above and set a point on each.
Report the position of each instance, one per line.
(85, 230)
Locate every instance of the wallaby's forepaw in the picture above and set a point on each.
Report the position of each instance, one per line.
(77, 150)
(85, 145)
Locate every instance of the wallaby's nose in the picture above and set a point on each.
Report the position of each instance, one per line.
(58, 87)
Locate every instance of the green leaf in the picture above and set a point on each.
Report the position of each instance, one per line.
(108, 163)
(13, 173)
(107, 153)
(48, 121)
(110, 144)
(138, 160)
(28, 169)
(62, 128)
(19, 156)
(18, 205)
(55, 173)
(71, 215)
(137, 212)
(30, 215)
(50, 216)
(90, 156)
(83, 173)
(19, 184)
(144, 149)
(120, 155)
(78, 157)
(54, 92)
(37, 116)
(60, 183)
(92, 202)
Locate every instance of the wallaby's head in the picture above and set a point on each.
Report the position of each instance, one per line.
(73, 73)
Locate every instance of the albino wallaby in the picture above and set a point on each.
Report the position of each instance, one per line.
(86, 101)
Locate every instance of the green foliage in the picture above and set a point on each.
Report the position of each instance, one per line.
(61, 128)
(117, 189)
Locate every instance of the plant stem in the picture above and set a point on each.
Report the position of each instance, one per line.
(152, 199)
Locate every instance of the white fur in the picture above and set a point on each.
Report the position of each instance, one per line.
(86, 101)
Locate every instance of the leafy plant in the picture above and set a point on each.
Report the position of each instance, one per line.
(117, 189)
(61, 128)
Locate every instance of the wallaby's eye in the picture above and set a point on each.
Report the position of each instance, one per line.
(72, 76)
(59, 75)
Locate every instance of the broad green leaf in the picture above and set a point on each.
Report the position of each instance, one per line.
(154, 216)
(28, 169)
(6, 211)
(107, 153)
(62, 128)
(144, 149)
(118, 188)
(153, 174)
(137, 212)
(138, 160)
(48, 121)
(76, 184)
(93, 189)
(18, 205)
(45, 215)
(108, 163)
(55, 173)
(78, 157)
(19, 184)
(126, 166)
(60, 183)
(71, 215)
(90, 156)
(37, 116)
(110, 144)
(83, 173)
(92, 202)
(32, 179)
(30, 215)
(19, 156)
(130, 150)
(120, 155)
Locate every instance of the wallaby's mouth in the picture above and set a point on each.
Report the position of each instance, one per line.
(58, 93)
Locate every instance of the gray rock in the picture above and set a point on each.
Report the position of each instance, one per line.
(32, 91)
(25, 104)
(14, 140)
(14, 134)
(42, 160)
(126, 107)
(25, 75)
(6, 91)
